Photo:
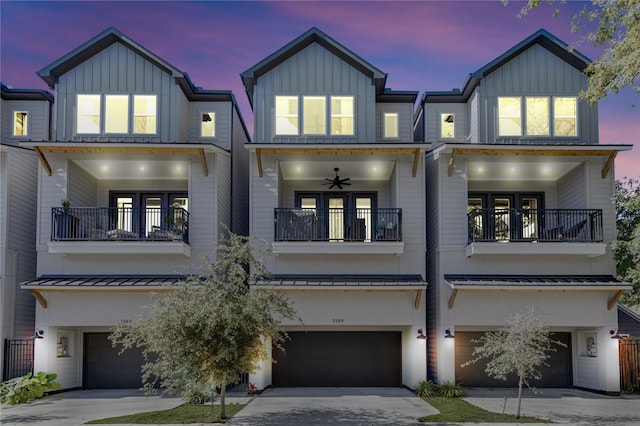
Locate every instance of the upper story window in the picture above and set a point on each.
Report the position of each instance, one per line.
(116, 117)
(208, 124)
(447, 126)
(116, 114)
(565, 116)
(144, 114)
(19, 123)
(88, 114)
(390, 124)
(314, 115)
(341, 115)
(509, 117)
(286, 115)
(314, 118)
(539, 117)
(537, 113)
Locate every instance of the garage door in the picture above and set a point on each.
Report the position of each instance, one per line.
(105, 369)
(339, 359)
(557, 375)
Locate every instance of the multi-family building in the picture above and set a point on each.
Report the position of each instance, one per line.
(24, 115)
(399, 236)
(142, 175)
(337, 190)
(519, 214)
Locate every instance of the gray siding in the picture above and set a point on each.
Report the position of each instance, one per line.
(240, 177)
(223, 193)
(572, 191)
(223, 123)
(314, 71)
(37, 120)
(433, 121)
(405, 121)
(116, 70)
(536, 72)
(433, 243)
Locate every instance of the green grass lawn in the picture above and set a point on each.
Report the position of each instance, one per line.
(457, 410)
(181, 414)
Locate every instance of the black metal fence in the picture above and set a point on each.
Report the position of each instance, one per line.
(576, 225)
(368, 225)
(119, 224)
(18, 358)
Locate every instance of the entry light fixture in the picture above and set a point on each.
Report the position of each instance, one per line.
(615, 334)
(39, 334)
(447, 334)
(421, 335)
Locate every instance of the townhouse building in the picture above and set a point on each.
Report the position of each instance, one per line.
(24, 115)
(519, 214)
(143, 173)
(337, 190)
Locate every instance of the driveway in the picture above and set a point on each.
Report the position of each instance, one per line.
(324, 406)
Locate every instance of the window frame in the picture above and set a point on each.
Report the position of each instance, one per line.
(25, 125)
(128, 116)
(134, 115)
(342, 115)
(526, 116)
(212, 115)
(99, 115)
(453, 124)
(385, 133)
(306, 98)
(286, 115)
(301, 118)
(555, 116)
(501, 117)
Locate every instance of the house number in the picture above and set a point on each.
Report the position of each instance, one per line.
(337, 320)
(126, 321)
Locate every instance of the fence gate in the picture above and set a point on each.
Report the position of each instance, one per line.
(629, 365)
(18, 358)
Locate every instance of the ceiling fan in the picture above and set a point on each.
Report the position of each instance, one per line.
(336, 181)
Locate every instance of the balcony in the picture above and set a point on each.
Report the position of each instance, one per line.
(338, 230)
(73, 229)
(571, 231)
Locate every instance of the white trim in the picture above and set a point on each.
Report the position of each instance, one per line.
(116, 247)
(315, 247)
(535, 248)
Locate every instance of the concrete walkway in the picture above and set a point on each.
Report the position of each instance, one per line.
(324, 406)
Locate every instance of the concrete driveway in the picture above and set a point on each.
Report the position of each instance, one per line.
(324, 406)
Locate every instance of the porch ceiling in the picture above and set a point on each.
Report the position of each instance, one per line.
(132, 169)
(371, 169)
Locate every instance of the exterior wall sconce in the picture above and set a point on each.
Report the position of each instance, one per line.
(421, 335)
(448, 335)
(39, 334)
(616, 335)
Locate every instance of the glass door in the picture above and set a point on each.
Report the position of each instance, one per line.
(152, 216)
(336, 222)
(502, 205)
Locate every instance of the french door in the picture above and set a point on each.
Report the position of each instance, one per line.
(142, 212)
(505, 216)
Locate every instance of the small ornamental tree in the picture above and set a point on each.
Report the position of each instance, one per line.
(204, 331)
(521, 347)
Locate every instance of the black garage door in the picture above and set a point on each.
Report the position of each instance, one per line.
(339, 359)
(105, 369)
(557, 375)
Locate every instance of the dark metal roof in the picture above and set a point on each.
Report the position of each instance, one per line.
(344, 281)
(74, 282)
(533, 280)
(11, 94)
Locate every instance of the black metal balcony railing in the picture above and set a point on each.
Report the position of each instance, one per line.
(577, 225)
(119, 224)
(338, 225)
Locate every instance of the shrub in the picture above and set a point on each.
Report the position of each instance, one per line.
(450, 390)
(27, 388)
(427, 389)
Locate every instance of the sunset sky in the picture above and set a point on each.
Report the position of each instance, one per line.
(421, 45)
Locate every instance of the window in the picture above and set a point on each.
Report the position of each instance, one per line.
(116, 114)
(341, 115)
(88, 118)
(447, 126)
(565, 117)
(537, 116)
(19, 123)
(286, 115)
(390, 124)
(509, 117)
(208, 124)
(314, 115)
(144, 114)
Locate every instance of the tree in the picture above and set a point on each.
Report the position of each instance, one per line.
(521, 347)
(626, 249)
(618, 29)
(206, 330)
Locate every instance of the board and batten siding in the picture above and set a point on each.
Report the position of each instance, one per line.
(433, 121)
(535, 72)
(223, 122)
(116, 70)
(20, 168)
(405, 121)
(314, 71)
